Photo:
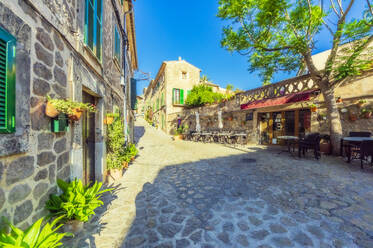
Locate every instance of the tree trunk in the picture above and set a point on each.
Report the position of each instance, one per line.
(334, 118)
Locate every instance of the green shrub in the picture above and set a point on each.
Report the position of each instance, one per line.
(131, 151)
(203, 94)
(35, 236)
(115, 144)
(77, 202)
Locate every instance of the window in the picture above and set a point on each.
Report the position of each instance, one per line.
(116, 44)
(184, 75)
(93, 26)
(178, 96)
(7, 82)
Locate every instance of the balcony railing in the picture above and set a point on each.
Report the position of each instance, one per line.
(282, 88)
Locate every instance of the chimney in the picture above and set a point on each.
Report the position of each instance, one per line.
(179, 58)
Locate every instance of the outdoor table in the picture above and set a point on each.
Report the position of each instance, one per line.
(355, 140)
(289, 140)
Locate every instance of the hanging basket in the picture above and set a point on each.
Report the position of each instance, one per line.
(313, 109)
(51, 111)
(75, 116)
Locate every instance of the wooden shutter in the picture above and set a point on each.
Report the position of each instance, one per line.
(7, 82)
(173, 96)
(181, 96)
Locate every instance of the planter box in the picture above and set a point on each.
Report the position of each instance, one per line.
(60, 124)
(73, 226)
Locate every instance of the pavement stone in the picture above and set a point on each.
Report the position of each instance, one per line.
(187, 194)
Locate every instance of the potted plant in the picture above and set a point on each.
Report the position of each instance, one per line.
(313, 107)
(366, 113)
(352, 116)
(35, 236)
(50, 109)
(114, 166)
(116, 157)
(76, 204)
(73, 109)
(339, 100)
(77, 108)
(361, 102)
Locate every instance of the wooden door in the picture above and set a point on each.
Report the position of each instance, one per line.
(88, 142)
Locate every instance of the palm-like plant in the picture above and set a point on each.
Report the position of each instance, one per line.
(77, 202)
(33, 237)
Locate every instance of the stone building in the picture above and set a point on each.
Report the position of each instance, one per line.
(166, 94)
(284, 108)
(84, 50)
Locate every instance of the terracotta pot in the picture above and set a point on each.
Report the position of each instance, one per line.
(339, 100)
(125, 165)
(353, 117)
(179, 137)
(313, 109)
(114, 175)
(75, 116)
(367, 115)
(50, 110)
(73, 226)
(325, 147)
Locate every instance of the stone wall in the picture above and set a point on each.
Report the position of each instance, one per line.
(51, 60)
(236, 119)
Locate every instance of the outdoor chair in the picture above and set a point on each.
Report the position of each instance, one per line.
(364, 150)
(311, 141)
(353, 147)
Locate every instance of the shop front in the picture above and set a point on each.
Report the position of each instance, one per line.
(295, 122)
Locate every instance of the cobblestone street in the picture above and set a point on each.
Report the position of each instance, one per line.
(184, 194)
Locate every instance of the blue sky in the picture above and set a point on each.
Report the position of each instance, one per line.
(167, 29)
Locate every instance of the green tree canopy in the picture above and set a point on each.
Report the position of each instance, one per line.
(279, 35)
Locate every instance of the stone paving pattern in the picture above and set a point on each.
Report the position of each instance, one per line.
(184, 194)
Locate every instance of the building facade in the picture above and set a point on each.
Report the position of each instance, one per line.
(166, 94)
(292, 107)
(83, 50)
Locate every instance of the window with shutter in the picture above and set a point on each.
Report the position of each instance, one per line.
(181, 96)
(7, 82)
(93, 26)
(116, 44)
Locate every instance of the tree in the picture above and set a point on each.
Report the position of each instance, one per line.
(229, 87)
(280, 36)
(205, 79)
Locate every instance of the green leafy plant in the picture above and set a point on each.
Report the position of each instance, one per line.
(77, 202)
(115, 144)
(363, 101)
(35, 236)
(131, 151)
(182, 130)
(67, 106)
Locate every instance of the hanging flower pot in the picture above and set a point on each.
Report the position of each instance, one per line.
(230, 118)
(361, 103)
(76, 114)
(339, 100)
(50, 110)
(313, 108)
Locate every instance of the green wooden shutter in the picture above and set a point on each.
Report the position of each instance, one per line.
(7, 82)
(181, 96)
(173, 96)
(93, 26)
